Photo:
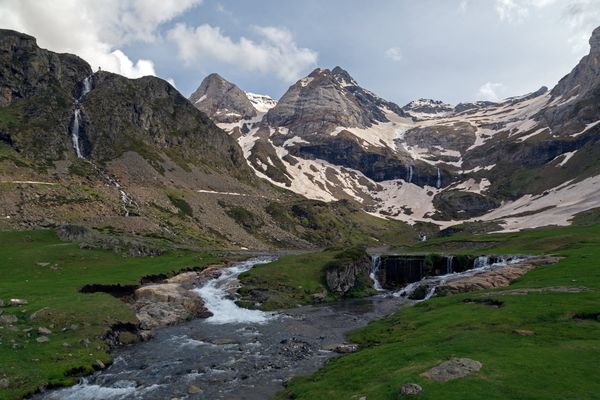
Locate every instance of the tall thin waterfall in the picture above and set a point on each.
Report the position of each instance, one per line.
(439, 178)
(75, 127)
(409, 174)
(449, 264)
(375, 265)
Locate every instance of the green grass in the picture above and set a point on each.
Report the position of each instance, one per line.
(53, 288)
(560, 361)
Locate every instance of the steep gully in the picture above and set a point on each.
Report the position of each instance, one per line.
(245, 354)
(77, 131)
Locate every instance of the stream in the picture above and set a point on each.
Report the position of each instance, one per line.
(237, 353)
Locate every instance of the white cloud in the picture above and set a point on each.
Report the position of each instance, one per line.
(394, 53)
(276, 52)
(511, 10)
(94, 30)
(462, 6)
(582, 17)
(491, 91)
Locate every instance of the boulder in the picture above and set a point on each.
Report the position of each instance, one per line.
(44, 331)
(99, 364)
(4, 383)
(167, 304)
(453, 369)
(42, 339)
(410, 389)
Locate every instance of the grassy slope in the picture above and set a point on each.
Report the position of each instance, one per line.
(559, 361)
(29, 364)
(293, 280)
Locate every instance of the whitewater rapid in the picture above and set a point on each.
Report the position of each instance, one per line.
(218, 296)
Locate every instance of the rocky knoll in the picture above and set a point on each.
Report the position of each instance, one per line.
(172, 301)
(350, 272)
(496, 278)
(222, 100)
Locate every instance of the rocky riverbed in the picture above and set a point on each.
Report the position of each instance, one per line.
(238, 353)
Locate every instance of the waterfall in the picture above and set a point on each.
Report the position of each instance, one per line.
(86, 86)
(76, 125)
(409, 174)
(449, 262)
(439, 178)
(481, 262)
(375, 265)
(75, 128)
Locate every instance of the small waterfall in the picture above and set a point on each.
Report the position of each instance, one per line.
(75, 131)
(409, 174)
(86, 86)
(375, 265)
(481, 262)
(449, 263)
(439, 178)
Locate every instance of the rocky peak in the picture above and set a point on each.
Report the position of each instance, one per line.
(343, 77)
(328, 99)
(26, 69)
(222, 101)
(595, 41)
(585, 76)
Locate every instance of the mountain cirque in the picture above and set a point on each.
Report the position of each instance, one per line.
(524, 162)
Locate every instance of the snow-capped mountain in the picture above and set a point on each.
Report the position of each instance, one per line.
(517, 163)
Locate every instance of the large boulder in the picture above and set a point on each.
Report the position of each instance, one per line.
(167, 304)
(350, 270)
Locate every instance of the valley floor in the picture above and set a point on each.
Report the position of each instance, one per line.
(559, 304)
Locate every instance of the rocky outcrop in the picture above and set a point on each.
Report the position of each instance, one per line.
(169, 303)
(222, 101)
(344, 275)
(496, 278)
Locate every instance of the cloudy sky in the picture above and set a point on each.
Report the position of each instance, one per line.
(453, 50)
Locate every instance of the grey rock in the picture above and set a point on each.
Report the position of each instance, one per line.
(454, 368)
(99, 364)
(42, 339)
(44, 331)
(410, 389)
(4, 383)
(85, 343)
(342, 278)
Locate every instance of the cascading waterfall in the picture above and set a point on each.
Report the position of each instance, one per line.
(375, 265)
(449, 262)
(76, 125)
(439, 178)
(76, 128)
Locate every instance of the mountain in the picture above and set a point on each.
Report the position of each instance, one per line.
(523, 162)
(222, 100)
(135, 157)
